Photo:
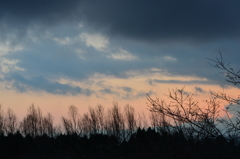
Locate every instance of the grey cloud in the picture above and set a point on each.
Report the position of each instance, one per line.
(141, 94)
(155, 20)
(40, 83)
(128, 93)
(165, 20)
(52, 61)
(28, 11)
(158, 19)
(213, 80)
(107, 91)
(199, 90)
(152, 81)
(127, 89)
(18, 17)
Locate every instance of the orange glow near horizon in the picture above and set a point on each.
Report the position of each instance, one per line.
(58, 105)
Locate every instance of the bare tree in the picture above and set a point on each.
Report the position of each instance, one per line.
(2, 123)
(32, 123)
(186, 113)
(86, 126)
(11, 122)
(67, 125)
(196, 121)
(73, 123)
(47, 125)
(100, 115)
(115, 122)
(232, 124)
(131, 123)
(94, 123)
(73, 115)
(232, 75)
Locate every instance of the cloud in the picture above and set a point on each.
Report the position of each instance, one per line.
(141, 93)
(35, 11)
(80, 39)
(7, 47)
(7, 65)
(169, 58)
(156, 20)
(122, 55)
(40, 83)
(199, 90)
(153, 81)
(107, 91)
(98, 41)
(127, 89)
(165, 20)
(63, 41)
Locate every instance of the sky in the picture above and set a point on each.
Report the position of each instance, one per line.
(57, 53)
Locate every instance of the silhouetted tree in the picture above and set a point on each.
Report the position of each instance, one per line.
(100, 118)
(11, 122)
(73, 115)
(47, 125)
(67, 125)
(186, 113)
(2, 122)
(130, 118)
(115, 122)
(85, 124)
(71, 124)
(232, 124)
(94, 124)
(32, 123)
(197, 121)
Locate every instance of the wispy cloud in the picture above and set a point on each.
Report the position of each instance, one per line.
(122, 55)
(169, 58)
(7, 47)
(40, 83)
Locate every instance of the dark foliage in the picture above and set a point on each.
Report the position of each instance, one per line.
(142, 144)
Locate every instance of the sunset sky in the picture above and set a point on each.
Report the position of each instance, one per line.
(56, 53)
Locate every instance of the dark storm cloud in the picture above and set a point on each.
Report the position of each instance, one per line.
(18, 16)
(161, 19)
(26, 11)
(138, 19)
(40, 83)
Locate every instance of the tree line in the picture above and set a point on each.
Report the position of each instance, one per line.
(116, 133)
(114, 121)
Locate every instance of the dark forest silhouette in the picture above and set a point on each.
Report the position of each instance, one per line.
(181, 128)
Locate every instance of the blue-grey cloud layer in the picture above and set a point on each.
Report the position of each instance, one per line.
(186, 30)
